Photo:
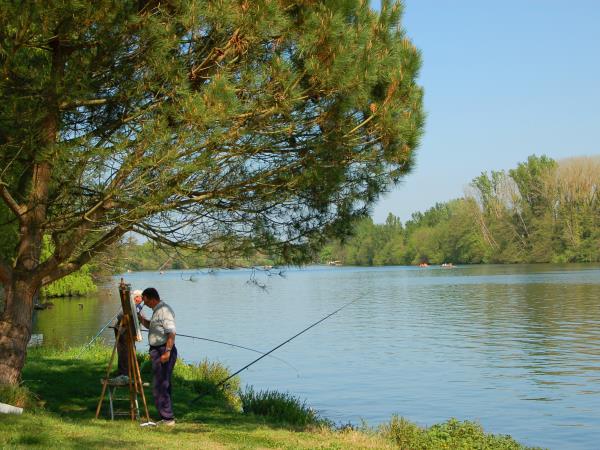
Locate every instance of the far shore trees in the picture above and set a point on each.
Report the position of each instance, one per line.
(238, 125)
(543, 211)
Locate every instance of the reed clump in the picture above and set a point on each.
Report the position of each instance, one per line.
(282, 407)
(205, 379)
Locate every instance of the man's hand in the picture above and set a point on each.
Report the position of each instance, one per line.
(165, 357)
(168, 347)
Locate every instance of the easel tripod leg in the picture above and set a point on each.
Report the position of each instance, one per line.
(105, 382)
(132, 382)
(136, 367)
(135, 379)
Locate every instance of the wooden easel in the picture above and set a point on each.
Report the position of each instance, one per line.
(135, 378)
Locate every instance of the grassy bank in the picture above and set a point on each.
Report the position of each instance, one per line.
(60, 394)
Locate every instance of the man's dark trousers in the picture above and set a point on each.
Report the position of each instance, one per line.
(161, 383)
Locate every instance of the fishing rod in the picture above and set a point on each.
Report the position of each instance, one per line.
(99, 333)
(222, 382)
(236, 346)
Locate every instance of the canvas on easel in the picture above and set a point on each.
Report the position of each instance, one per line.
(130, 327)
(129, 309)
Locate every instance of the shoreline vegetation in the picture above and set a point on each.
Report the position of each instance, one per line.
(60, 392)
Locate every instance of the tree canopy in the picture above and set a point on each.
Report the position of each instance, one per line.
(230, 125)
(196, 121)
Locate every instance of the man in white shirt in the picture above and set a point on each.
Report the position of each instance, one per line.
(161, 337)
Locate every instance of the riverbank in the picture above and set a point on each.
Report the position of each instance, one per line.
(63, 392)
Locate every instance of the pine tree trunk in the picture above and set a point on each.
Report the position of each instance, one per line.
(15, 329)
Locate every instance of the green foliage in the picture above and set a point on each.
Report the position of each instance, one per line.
(542, 211)
(75, 284)
(530, 178)
(282, 407)
(9, 233)
(205, 378)
(238, 126)
(444, 233)
(451, 435)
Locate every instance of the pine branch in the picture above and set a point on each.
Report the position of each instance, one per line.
(9, 200)
(55, 269)
(76, 104)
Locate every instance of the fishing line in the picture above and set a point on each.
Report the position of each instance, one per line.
(222, 382)
(99, 333)
(236, 346)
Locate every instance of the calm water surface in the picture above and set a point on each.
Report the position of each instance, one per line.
(516, 348)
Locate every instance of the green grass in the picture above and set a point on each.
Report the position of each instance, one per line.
(60, 394)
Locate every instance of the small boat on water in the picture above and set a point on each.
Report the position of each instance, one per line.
(447, 266)
(334, 263)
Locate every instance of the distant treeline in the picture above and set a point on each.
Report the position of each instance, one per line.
(541, 211)
(137, 256)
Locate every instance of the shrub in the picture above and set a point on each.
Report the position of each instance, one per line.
(205, 378)
(404, 433)
(282, 407)
(452, 434)
(76, 284)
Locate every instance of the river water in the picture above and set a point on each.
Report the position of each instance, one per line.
(516, 348)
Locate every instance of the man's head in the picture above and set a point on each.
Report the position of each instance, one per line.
(137, 296)
(150, 297)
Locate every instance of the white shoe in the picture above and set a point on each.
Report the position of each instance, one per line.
(167, 423)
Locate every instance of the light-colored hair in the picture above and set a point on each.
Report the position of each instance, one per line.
(137, 293)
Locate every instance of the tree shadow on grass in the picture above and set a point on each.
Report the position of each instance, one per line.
(64, 385)
(71, 388)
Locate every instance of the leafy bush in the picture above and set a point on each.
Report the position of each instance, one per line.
(282, 407)
(75, 284)
(452, 434)
(205, 378)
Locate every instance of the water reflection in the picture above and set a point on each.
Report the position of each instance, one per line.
(73, 321)
(515, 347)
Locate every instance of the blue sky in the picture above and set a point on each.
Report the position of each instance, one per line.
(503, 80)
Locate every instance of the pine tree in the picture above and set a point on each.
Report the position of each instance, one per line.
(231, 125)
